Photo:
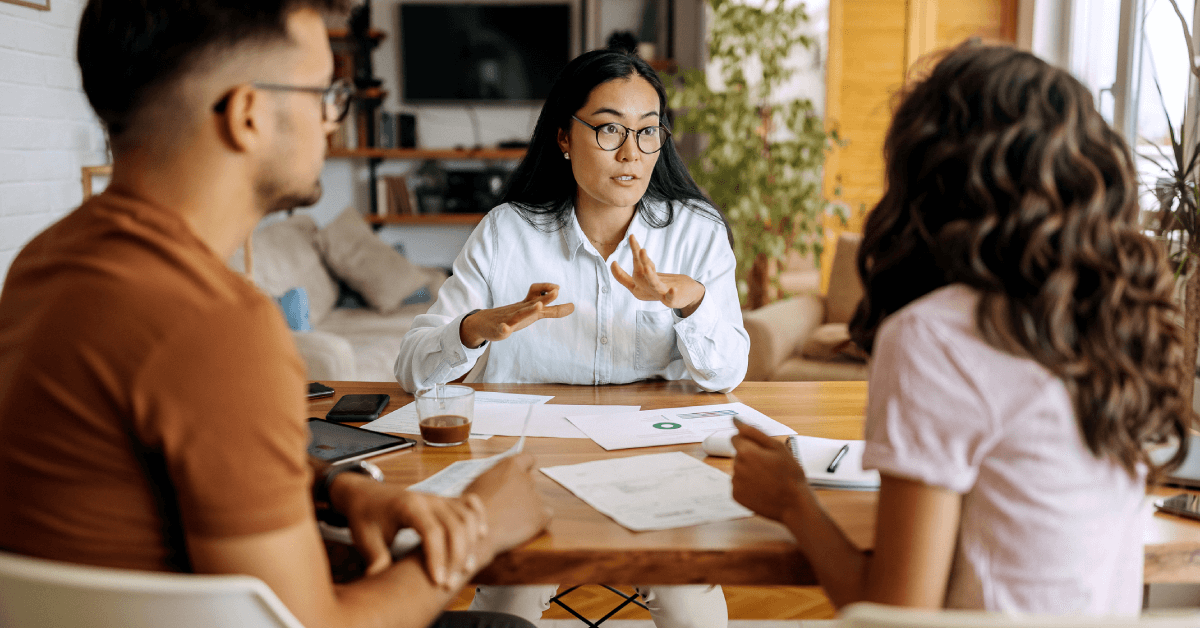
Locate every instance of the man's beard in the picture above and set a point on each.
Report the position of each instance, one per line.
(272, 198)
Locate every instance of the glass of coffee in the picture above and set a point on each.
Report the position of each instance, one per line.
(445, 414)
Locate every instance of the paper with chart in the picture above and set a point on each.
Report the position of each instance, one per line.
(672, 426)
(404, 420)
(652, 492)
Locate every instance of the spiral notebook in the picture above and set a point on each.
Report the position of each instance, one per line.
(815, 454)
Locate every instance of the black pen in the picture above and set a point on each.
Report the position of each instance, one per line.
(838, 458)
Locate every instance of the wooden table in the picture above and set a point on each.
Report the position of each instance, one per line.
(583, 546)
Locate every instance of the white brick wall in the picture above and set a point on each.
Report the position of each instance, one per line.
(47, 130)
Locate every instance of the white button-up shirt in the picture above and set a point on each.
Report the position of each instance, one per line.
(611, 337)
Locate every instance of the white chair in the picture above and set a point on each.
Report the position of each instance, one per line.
(867, 615)
(37, 593)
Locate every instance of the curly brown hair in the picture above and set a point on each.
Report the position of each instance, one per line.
(1002, 176)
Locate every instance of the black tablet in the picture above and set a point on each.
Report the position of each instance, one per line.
(335, 442)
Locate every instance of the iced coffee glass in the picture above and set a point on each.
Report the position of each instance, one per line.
(445, 414)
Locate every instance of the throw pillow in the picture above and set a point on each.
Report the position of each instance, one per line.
(832, 342)
(294, 304)
(367, 264)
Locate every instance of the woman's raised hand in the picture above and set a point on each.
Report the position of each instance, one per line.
(499, 323)
(674, 291)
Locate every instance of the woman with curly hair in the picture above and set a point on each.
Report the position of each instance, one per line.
(1025, 358)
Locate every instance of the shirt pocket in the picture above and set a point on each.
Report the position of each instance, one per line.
(655, 346)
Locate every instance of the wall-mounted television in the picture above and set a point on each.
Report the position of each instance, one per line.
(480, 52)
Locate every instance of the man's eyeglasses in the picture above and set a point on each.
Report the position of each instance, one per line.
(335, 99)
(610, 136)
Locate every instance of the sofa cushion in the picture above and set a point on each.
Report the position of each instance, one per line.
(368, 265)
(286, 257)
(832, 342)
(294, 304)
(845, 288)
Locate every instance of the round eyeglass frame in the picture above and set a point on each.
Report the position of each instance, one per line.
(637, 135)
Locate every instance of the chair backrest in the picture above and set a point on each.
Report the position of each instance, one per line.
(37, 593)
(845, 288)
(865, 615)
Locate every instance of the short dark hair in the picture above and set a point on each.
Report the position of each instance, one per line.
(543, 187)
(129, 48)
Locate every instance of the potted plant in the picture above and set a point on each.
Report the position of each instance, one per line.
(1178, 220)
(764, 153)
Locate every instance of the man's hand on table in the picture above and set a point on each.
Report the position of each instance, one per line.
(453, 531)
(514, 508)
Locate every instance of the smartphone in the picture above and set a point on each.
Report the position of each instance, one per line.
(1183, 505)
(357, 408)
(336, 443)
(319, 391)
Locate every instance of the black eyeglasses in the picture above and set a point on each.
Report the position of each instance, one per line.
(610, 136)
(335, 99)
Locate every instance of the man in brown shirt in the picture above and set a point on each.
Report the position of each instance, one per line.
(151, 401)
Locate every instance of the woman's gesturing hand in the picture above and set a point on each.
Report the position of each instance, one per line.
(674, 291)
(499, 323)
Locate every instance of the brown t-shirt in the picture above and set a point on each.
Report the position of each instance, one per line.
(146, 392)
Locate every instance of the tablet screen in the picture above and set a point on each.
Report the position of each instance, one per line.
(335, 442)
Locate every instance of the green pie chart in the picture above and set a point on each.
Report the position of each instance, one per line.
(667, 426)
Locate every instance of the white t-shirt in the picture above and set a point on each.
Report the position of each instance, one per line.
(611, 337)
(1047, 527)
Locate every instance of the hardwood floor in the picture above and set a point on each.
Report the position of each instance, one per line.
(594, 602)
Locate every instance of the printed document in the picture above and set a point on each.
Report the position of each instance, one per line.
(404, 420)
(652, 492)
(672, 426)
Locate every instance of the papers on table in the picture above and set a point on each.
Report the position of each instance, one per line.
(652, 492)
(404, 420)
(814, 455)
(672, 426)
(548, 421)
(454, 479)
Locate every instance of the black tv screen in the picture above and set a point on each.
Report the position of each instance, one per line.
(482, 52)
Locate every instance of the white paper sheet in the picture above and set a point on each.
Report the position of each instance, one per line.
(454, 479)
(549, 420)
(404, 420)
(672, 426)
(652, 492)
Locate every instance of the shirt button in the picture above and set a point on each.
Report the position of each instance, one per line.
(710, 374)
(603, 340)
(604, 289)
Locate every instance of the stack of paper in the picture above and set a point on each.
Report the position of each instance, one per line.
(815, 454)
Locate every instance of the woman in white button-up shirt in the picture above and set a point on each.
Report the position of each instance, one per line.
(621, 239)
(604, 265)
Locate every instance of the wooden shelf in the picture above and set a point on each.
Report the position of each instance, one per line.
(427, 219)
(428, 153)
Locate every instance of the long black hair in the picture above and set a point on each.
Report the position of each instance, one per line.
(543, 188)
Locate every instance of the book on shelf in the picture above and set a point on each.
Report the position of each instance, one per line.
(394, 197)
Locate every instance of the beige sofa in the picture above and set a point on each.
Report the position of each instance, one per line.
(345, 343)
(806, 338)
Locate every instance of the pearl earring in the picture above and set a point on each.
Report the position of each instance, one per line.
(567, 156)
